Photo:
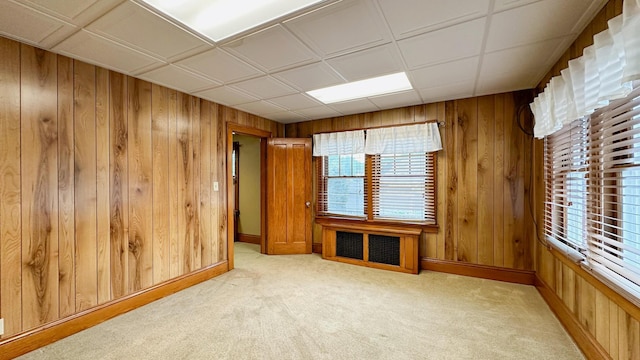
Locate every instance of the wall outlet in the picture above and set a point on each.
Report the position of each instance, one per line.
(215, 186)
(1, 327)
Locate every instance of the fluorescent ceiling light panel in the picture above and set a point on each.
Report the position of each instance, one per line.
(380, 85)
(220, 19)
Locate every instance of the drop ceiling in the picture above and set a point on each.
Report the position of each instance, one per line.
(449, 49)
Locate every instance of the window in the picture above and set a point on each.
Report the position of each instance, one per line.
(342, 185)
(592, 174)
(387, 174)
(402, 186)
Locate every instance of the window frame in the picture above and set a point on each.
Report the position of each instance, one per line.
(427, 225)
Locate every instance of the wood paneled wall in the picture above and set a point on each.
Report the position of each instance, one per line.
(105, 185)
(610, 320)
(482, 177)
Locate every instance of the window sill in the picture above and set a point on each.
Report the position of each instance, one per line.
(344, 221)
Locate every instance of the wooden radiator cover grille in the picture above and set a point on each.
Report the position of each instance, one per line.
(349, 245)
(384, 247)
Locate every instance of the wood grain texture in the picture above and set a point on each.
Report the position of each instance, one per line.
(66, 187)
(39, 168)
(206, 186)
(160, 166)
(118, 166)
(103, 221)
(451, 183)
(89, 186)
(467, 201)
(10, 189)
(185, 184)
(485, 179)
(86, 186)
(140, 251)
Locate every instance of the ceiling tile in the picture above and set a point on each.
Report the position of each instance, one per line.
(368, 63)
(501, 5)
(287, 117)
(226, 96)
(499, 84)
(260, 108)
(319, 112)
(412, 17)
(218, 65)
(342, 27)
(405, 98)
(534, 22)
(310, 77)
(177, 78)
(97, 50)
(443, 74)
(452, 43)
(522, 59)
(295, 101)
(354, 106)
(272, 49)
(139, 28)
(77, 12)
(264, 87)
(451, 91)
(28, 25)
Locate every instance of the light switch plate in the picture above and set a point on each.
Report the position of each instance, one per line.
(215, 186)
(1, 327)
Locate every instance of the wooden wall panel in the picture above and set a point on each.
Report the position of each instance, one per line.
(467, 221)
(10, 189)
(39, 168)
(106, 185)
(160, 166)
(86, 186)
(103, 208)
(66, 187)
(481, 177)
(118, 191)
(140, 179)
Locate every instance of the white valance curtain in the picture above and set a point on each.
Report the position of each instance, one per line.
(603, 73)
(420, 138)
(338, 143)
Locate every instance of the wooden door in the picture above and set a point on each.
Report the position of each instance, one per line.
(289, 196)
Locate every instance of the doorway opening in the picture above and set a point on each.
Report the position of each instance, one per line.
(246, 212)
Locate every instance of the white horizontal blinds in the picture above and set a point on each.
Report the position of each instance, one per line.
(604, 73)
(403, 171)
(614, 188)
(340, 173)
(566, 171)
(404, 187)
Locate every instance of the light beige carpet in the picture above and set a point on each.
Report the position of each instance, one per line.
(303, 307)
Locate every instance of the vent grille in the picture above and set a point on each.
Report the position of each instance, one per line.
(349, 245)
(384, 249)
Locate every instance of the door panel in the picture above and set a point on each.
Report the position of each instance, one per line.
(289, 190)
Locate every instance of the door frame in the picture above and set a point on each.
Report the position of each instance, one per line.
(263, 135)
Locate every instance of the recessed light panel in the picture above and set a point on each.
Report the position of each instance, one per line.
(380, 85)
(221, 19)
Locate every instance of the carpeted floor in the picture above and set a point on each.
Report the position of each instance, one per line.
(303, 307)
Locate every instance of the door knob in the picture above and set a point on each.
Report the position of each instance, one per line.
(308, 203)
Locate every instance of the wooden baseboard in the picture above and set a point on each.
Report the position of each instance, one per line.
(585, 341)
(526, 277)
(248, 238)
(49, 333)
(317, 248)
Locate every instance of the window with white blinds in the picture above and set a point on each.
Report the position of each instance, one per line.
(387, 175)
(403, 187)
(592, 172)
